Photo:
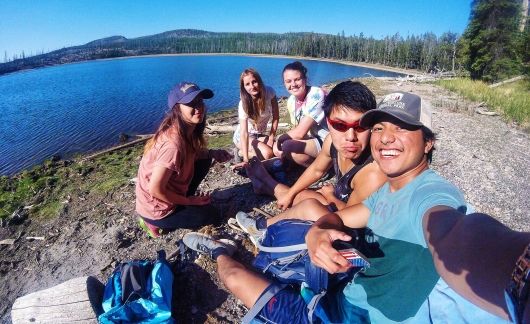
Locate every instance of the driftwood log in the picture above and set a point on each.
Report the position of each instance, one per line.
(76, 300)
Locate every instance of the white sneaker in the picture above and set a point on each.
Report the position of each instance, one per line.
(206, 244)
(248, 224)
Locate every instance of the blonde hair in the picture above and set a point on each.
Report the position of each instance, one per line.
(252, 111)
(174, 125)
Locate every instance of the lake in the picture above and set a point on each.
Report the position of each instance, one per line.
(83, 107)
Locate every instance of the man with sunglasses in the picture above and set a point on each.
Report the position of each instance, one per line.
(345, 151)
(430, 263)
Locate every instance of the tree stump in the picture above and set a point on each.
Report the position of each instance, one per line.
(76, 300)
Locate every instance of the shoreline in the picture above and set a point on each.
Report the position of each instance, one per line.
(374, 66)
(343, 62)
(220, 111)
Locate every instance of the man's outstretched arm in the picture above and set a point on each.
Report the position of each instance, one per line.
(475, 254)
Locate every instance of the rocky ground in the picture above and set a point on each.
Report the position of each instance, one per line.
(485, 157)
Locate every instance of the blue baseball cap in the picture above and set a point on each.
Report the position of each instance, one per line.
(186, 92)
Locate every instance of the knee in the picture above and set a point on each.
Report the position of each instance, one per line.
(302, 196)
(276, 151)
(313, 208)
(267, 154)
(230, 276)
(311, 203)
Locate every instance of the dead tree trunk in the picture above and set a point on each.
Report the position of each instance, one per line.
(76, 300)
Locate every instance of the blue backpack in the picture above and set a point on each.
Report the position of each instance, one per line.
(283, 257)
(139, 291)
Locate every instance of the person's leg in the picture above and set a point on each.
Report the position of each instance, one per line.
(262, 181)
(309, 209)
(189, 217)
(245, 284)
(202, 167)
(309, 194)
(302, 152)
(287, 306)
(261, 149)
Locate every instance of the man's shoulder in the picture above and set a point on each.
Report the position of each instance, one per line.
(430, 178)
(369, 173)
(433, 186)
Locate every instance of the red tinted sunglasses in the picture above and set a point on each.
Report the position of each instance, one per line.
(342, 126)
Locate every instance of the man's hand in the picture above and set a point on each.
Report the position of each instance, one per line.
(321, 251)
(285, 201)
(239, 166)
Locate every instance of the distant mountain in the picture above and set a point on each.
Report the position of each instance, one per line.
(109, 41)
(169, 42)
(425, 52)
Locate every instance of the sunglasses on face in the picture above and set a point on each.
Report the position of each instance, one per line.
(343, 127)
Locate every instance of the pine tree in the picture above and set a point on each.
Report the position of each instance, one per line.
(489, 44)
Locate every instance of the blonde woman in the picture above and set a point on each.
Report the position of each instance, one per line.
(258, 106)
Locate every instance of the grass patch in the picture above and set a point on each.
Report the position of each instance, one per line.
(47, 186)
(49, 209)
(511, 100)
(220, 140)
(111, 171)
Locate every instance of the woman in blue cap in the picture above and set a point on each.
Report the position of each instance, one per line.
(174, 163)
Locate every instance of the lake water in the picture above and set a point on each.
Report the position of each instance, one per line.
(83, 107)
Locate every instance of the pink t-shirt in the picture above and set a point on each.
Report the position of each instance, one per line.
(164, 153)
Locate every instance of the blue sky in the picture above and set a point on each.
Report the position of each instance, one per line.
(36, 25)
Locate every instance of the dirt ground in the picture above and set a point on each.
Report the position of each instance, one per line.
(485, 157)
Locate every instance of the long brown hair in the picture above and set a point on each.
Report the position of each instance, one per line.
(174, 126)
(252, 111)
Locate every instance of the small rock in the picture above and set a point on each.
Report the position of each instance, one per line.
(7, 242)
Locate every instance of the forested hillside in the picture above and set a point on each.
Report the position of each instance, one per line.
(494, 46)
(424, 52)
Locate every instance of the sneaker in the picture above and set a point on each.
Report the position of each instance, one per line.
(206, 244)
(248, 224)
(232, 223)
(151, 230)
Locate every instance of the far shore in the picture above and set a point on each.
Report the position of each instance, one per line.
(350, 63)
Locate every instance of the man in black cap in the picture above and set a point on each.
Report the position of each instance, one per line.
(430, 262)
(429, 252)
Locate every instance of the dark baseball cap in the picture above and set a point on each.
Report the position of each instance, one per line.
(186, 92)
(404, 106)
